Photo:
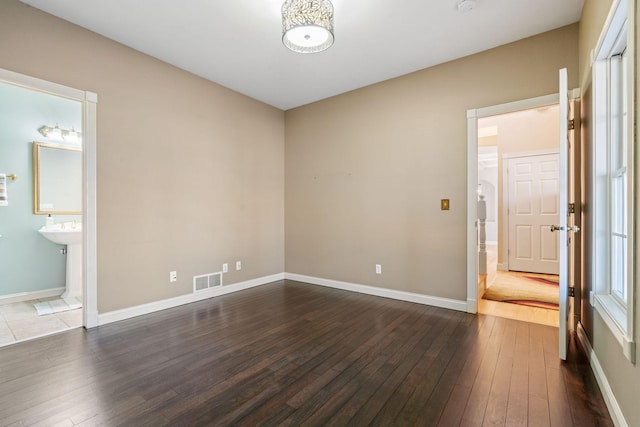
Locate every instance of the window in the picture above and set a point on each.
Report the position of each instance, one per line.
(613, 172)
(618, 171)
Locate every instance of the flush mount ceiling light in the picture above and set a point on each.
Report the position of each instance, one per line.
(307, 25)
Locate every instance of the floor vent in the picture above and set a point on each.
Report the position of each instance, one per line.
(206, 281)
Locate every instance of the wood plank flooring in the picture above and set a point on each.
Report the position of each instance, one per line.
(289, 353)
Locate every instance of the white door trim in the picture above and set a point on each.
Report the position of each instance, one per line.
(472, 181)
(504, 254)
(89, 104)
(530, 153)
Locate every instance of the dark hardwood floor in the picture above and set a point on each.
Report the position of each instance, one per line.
(295, 354)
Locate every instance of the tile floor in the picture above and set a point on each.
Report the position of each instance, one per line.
(20, 321)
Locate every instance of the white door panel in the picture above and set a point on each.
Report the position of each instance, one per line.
(533, 207)
(523, 242)
(549, 247)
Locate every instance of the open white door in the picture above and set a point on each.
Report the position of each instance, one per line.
(563, 227)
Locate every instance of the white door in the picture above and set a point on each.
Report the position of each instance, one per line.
(533, 183)
(563, 227)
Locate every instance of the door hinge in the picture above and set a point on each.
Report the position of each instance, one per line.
(572, 291)
(572, 208)
(572, 124)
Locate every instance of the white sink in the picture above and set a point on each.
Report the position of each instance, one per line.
(65, 233)
(70, 234)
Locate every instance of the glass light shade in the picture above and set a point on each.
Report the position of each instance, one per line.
(55, 133)
(72, 136)
(307, 25)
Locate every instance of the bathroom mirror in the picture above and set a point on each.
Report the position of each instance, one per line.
(57, 179)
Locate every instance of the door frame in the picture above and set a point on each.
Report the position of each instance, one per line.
(472, 181)
(505, 199)
(89, 102)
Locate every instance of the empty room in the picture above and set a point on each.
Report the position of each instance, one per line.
(293, 212)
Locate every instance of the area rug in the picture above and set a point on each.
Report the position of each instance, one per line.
(524, 290)
(57, 306)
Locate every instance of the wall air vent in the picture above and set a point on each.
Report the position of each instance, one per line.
(206, 281)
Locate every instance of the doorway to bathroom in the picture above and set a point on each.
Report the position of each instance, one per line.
(47, 258)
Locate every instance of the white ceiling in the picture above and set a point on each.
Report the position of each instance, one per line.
(237, 43)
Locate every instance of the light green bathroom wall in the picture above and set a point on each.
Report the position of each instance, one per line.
(28, 262)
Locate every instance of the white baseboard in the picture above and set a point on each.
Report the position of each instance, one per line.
(472, 306)
(503, 266)
(28, 296)
(139, 310)
(382, 292)
(607, 393)
(91, 319)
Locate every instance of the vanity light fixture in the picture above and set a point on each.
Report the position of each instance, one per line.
(307, 25)
(70, 135)
(51, 132)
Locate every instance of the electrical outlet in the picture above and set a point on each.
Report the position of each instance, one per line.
(173, 276)
(378, 268)
(238, 265)
(225, 268)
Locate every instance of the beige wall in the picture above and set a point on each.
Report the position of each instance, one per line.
(365, 171)
(190, 174)
(521, 132)
(623, 376)
(594, 15)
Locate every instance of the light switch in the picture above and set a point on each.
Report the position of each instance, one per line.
(444, 204)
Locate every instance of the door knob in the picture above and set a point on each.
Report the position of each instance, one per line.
(573, 228)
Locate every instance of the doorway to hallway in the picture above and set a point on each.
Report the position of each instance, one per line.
(517, 175)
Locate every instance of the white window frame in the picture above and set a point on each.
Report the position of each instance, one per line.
(616, 311)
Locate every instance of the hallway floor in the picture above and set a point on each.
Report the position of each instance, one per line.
(20, 321)
(542, 316)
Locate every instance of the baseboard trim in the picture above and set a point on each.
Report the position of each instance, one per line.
(472, 305)
(607, 393)
(381, 292)
(139, 310)
(27, 296)
(91, 319)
